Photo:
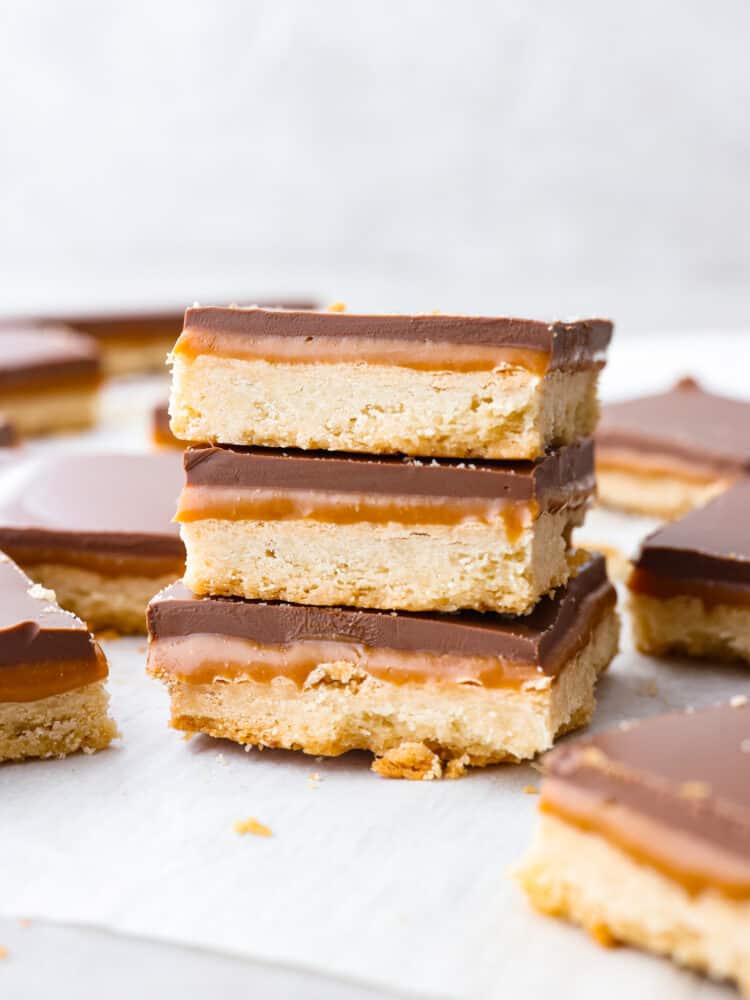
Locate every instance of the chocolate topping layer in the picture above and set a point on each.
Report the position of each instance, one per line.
(111, 504)
(540, 639)
(34, 629)
(568, 345)
(711, 543)
(685, 423)
(49, 355)
(552, 480)
(687, 773)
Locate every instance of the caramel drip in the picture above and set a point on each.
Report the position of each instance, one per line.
(200, 502)
(647, 843)
(420, 355)
(208, 659)
(108, 564)
(23, 682)
(711, 592)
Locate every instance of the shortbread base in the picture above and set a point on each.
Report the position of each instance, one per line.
(413, 568)
(687, 625)
(415, 729)
(58, 725)
(580, 876)
(665, 495)
(105, 603)
(51, 411)
(377, 409)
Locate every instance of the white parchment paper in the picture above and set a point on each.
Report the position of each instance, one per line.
(399, 883)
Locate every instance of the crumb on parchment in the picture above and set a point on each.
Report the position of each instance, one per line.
(254, 826)
(530, 790)
(3, 953)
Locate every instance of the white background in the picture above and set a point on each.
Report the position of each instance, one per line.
(527, 156)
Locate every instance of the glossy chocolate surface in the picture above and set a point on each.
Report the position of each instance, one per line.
(552, 480)
(537, 639)
(567, 345)
(31, 355)
(687, 773)
(111, 504)
(33, 629)
(711, 543)
(686, 423)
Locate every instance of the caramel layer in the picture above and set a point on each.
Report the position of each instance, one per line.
(207, 659)
(423, 356)
(643, 463)
(650, 843)
(201, 502)
(50, 383)
(97, 562)
(32, 681)
(711, 592)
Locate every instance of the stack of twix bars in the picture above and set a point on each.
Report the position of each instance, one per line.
(378, 535)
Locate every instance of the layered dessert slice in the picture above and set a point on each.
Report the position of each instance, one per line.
(644, 838)
(419, 691)
(666, 454)
(323, 528)
(96, 529)
(453, 386)
(52, 695)
(49, 379)
(690, 585)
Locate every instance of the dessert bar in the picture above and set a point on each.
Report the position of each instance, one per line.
(96, 529)
(690, 585)
(49, 379)
(52, 695)
(419, 691)
(434, 385)
(666, 454)
(644, 838)
(381, 532)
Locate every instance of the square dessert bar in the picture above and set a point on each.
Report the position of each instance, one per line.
(97, 529)
(393, 533)
(52, 695)
(644, 838)
(419, 691)
(666, 454)
(690, 585)
(451, 386)
(49, 379)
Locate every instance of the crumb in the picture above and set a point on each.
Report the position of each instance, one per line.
(3, 953)
(530, 790)
(337, 307)
(695, 790)
(410, 760)
(456, 768)
(24, 922)
(603, 936)
(313, 780)
(187, 737)
(739, 701)
(143, 649)
(252, 825)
